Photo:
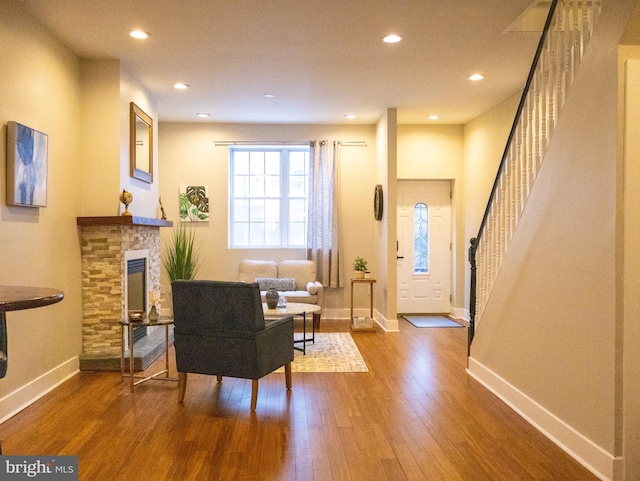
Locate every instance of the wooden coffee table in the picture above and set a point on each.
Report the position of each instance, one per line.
(295, 309)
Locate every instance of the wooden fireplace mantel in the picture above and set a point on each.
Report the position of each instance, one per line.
(123, 220)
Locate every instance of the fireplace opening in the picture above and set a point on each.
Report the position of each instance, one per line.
(137, 292)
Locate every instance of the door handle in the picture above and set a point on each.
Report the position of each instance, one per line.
(400, 257)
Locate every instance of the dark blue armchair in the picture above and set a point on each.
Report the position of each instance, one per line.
(220, 330)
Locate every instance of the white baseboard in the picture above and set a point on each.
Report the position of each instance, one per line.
(460, 314)
(26, 395)
(387, 325)
(586, 452)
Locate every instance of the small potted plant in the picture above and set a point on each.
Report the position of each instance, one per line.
(359, 268)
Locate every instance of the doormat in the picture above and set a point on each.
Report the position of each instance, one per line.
(431, 321)
(332, 352)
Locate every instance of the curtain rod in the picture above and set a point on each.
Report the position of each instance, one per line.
(344, 143)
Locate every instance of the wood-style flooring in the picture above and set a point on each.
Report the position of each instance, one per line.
(416, 415)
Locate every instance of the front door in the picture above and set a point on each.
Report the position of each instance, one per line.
(424, 247)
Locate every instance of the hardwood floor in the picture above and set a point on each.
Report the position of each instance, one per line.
(416, 415)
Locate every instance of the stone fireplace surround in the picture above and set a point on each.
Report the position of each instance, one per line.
(104, 244)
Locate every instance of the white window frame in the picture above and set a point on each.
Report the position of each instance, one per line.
(284, 195)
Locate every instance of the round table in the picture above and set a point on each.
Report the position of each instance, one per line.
(295, 309)
(17, 298)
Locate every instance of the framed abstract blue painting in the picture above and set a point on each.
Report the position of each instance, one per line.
(26, 166)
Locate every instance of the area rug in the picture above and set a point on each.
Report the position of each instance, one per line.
(431, 321)
(332, 352)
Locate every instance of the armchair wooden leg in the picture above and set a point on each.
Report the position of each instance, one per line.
(287, 375)
(182, 385)
(254, 394)
(219, 378)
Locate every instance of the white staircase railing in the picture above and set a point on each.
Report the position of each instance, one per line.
(567, 31)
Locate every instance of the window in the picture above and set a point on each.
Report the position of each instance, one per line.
(269, 188)
(421, 239)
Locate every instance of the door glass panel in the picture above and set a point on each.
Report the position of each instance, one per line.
(420, 239)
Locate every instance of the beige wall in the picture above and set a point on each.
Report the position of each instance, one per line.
(629, 252)
(468, 156)
(145, 195)
(434, 152)
(83, 106)
(429, 152)
(484, 141)
(188, 156)
(100, 146)
(555, 319)
(40, 87)
(385, 300)
(548, 339)
(107, 91)
(423, 152)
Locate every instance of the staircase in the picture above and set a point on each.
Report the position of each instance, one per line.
(566, 33)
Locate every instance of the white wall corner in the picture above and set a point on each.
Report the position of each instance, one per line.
(597, 460)
(25, 395)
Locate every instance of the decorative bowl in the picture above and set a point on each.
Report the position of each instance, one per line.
(136, 316)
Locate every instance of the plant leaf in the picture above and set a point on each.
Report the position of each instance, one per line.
(197, 195)
(184, 205)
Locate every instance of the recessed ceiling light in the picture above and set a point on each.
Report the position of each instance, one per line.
(434, 117)
(269, 96)
(203, 115)
(349, 116)
(139, 34)
(476, 76)
(181, 86)
(393, 38)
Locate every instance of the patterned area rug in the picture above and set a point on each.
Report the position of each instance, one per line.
(332, 352)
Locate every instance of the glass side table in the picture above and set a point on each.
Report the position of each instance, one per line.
(162, 375)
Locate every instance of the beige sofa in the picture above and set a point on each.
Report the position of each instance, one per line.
(295, 279)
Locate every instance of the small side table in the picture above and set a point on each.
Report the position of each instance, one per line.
(166, 322)
(369, 282)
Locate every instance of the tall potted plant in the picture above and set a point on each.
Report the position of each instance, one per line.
(180, 259)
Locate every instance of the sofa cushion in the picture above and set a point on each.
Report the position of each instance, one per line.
(300, 296)
(302, 271)
(250, 270)
(278, 283)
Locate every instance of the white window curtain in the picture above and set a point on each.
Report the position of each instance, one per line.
(323, 231)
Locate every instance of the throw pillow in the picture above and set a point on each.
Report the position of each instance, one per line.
(279, 284)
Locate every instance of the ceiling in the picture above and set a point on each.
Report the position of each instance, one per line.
(321, 59)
